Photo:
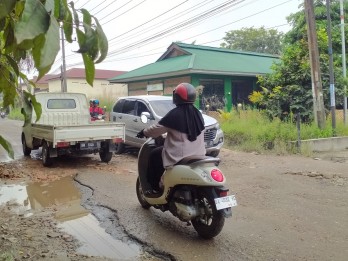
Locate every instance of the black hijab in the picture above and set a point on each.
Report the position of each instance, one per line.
(185, 118)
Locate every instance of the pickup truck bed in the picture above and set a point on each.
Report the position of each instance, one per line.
(65, 128)
(88, 132)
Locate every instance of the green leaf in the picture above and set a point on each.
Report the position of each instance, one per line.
(60, 9)
(81, 40)
(87, 19)
(7, 146)
(50, 6)
(29, 102)
(6, 7)
(33, 22)
(13, 64)
(89, 68)
(46, 48)
(91, 43)
(68, 26)
(102, 42)
(76, 17)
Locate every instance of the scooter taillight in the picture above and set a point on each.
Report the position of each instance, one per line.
(217, 175)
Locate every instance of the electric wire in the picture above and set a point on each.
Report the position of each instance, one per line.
(238, 20)
(161, 23)
(113, 11)
(194, 19)
(133, 57)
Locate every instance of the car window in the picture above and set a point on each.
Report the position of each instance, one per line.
(128, 107)
(118, 106)
(61, 104)
(141, 107)
(161, 107)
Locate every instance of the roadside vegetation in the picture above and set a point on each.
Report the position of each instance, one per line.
(251, 130)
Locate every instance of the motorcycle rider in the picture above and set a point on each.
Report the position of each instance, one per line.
(95, 110)
(184, 126)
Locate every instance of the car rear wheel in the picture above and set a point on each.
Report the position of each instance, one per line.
(119, 148)
(213, 153)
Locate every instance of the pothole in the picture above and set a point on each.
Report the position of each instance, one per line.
(98, 233)
(331, 177)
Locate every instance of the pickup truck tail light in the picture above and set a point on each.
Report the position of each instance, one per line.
(117, 140)
(63, 144)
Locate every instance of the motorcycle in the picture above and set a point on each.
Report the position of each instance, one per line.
(97, 117)
(3, 115)
(193, 191)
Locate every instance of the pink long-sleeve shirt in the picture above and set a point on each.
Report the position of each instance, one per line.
(176, 145)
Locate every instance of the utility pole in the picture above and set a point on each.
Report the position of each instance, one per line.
(343, 63)
(317, 89)
(63, 68)
(331, 70)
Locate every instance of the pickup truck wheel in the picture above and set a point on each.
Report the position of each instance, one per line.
(105, 156)
(26, 150)
(119, 148)
(46, 158)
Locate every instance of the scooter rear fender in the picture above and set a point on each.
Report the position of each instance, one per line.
(197, 175)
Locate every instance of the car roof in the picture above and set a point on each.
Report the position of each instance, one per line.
(147, 97)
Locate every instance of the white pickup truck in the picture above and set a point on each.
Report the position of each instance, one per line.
(65, 128)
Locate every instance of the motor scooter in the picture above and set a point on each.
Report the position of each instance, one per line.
(98, 117)
(193, 191)
(2, 113)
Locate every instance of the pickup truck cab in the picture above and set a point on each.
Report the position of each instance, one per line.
(65, 128)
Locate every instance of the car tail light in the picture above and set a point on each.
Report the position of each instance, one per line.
(63, 144)
(217, 175)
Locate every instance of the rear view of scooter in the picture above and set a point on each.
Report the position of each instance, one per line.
(193, 191)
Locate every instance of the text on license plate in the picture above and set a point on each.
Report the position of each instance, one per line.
(225, 202)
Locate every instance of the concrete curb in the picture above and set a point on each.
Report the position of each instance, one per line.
(323, 144)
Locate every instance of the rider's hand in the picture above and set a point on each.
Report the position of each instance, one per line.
(141, 134)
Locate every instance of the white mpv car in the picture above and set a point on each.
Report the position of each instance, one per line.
(128, 110)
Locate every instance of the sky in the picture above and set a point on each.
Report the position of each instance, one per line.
(140, 31)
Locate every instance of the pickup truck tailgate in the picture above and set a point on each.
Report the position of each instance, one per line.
(88, 132)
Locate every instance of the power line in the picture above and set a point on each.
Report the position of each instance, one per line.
(115, 10)
(124, 12)
(195, 19)
(161, 23)
(267, 9)
(171, 9)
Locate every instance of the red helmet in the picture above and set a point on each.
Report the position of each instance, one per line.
(184, 93)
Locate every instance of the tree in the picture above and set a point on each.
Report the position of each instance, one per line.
(31, 27)
(288, 89)
(252, 39)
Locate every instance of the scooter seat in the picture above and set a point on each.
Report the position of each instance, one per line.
(192, 159)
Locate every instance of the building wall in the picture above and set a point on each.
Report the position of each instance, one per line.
(101, 89)
(140, 88)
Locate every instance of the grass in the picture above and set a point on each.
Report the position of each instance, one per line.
(16, 114)
(249, 130)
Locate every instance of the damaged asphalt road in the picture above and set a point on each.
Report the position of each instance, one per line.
(289, 208)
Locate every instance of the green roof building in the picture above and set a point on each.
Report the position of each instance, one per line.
(223, 77)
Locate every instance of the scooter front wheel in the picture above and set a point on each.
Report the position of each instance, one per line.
(140, 195)
(211, 221)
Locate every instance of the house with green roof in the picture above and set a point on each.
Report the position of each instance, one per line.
(223, 77)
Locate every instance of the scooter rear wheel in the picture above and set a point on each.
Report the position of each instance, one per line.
(210, 223)
(140, 195)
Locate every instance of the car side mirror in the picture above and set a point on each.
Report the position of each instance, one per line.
(144, 117)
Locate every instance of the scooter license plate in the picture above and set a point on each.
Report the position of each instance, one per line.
(225, 202)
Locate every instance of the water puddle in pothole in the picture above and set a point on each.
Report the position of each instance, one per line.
(75, 219)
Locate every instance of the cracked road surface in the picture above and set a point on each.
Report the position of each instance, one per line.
(289, 207)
